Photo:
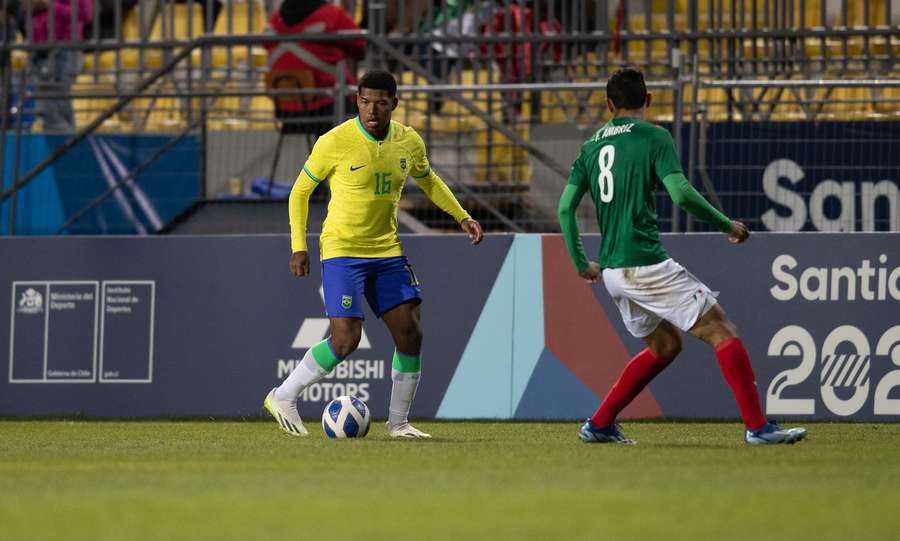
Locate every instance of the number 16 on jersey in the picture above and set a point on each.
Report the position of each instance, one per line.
(605, 178)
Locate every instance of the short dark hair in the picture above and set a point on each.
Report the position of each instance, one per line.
(379, 80)
(626, 89)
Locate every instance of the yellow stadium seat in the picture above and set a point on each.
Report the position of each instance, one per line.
(87, 109)
(848, 104)
(173, 22)
(856, 13)
(488, 102)
(498, 160)
(247, 17)
(558, 106)
(178, 21)
(19, 60)
(241, 112)
(129, 58)
(660, 109)
(413, 101)
(886, 102)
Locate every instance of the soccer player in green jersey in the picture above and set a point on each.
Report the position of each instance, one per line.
(366, 161)
(620, 167)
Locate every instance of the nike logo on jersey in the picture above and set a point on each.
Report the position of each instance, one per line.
(357, 168)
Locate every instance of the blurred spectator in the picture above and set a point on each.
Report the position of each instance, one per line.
(403, 16)
(356, 9)
(56, 70)
(8, 27)
(211, 9)
(457, 20)
(107, 16)
(7, 35)
(515, 59)
(295, 64)
(149, 11)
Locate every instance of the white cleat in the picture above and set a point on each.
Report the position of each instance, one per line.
(286, 414)
(405, 430)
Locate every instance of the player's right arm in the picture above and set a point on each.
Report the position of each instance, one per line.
(667, 166)
(318, 167)
(568, 221)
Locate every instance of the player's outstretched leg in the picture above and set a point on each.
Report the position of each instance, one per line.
(664, 345)
(403, 323)
(717, 330)
(281, 402)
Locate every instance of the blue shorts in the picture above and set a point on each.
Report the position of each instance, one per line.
(385, 281)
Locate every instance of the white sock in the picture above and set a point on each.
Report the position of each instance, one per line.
(402, 393)
(304, 374)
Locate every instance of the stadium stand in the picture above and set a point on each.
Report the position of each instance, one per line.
(546, 59)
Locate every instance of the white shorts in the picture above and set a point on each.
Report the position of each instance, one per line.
(647, 295)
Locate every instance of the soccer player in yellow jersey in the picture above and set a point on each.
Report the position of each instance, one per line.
(366, 160)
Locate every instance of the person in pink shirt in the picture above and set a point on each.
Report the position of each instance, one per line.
(55, 71)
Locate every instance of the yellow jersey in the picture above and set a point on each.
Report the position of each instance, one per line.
(366, 178)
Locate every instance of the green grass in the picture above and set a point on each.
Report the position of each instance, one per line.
(247, 481)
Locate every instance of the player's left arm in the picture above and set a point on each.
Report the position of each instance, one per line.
(667, 166)
(687, 197)
(439, 193)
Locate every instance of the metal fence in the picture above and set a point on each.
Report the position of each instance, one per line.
(503, 91)
(828, 164)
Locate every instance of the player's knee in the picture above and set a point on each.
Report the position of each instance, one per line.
(345, 343)
(669, 349)
(411, 338)
(722, 330)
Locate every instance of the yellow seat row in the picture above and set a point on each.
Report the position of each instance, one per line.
(184, 22)
(164, 113)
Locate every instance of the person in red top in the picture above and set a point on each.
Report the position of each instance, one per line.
(55, 70)
(313, 64)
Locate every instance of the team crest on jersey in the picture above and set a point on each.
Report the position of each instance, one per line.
(346, 301)
(403, 163)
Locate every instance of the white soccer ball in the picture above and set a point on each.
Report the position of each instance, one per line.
(346, 417)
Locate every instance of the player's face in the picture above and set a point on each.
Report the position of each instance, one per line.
(375, 108)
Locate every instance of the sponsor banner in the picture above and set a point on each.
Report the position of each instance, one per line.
(819, 315)
(205, 326)
(805, 176)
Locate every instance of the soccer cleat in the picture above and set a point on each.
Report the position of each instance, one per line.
(771, 434)
(405, 430)
(602, 434)
(286, 414)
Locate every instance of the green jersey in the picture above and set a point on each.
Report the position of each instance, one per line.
(621, 166)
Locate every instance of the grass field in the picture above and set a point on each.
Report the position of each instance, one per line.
(247, 481)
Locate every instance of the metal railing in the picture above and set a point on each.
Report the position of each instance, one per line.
(478, 83)
(826, 165)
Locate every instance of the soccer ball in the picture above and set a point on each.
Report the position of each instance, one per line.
(346, 417)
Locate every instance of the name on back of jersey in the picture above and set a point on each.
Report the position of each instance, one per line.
(616, 130)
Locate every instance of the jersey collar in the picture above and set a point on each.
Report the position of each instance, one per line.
(368, 135)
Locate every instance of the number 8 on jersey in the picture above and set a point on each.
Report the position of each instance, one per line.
(605, 178)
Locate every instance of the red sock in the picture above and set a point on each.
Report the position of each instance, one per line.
(735, 365)
(636, 375)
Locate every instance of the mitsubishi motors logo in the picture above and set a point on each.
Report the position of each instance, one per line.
(354, 376)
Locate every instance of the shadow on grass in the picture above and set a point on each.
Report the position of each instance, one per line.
(687, 445)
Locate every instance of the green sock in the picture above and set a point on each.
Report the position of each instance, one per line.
(325, 355)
